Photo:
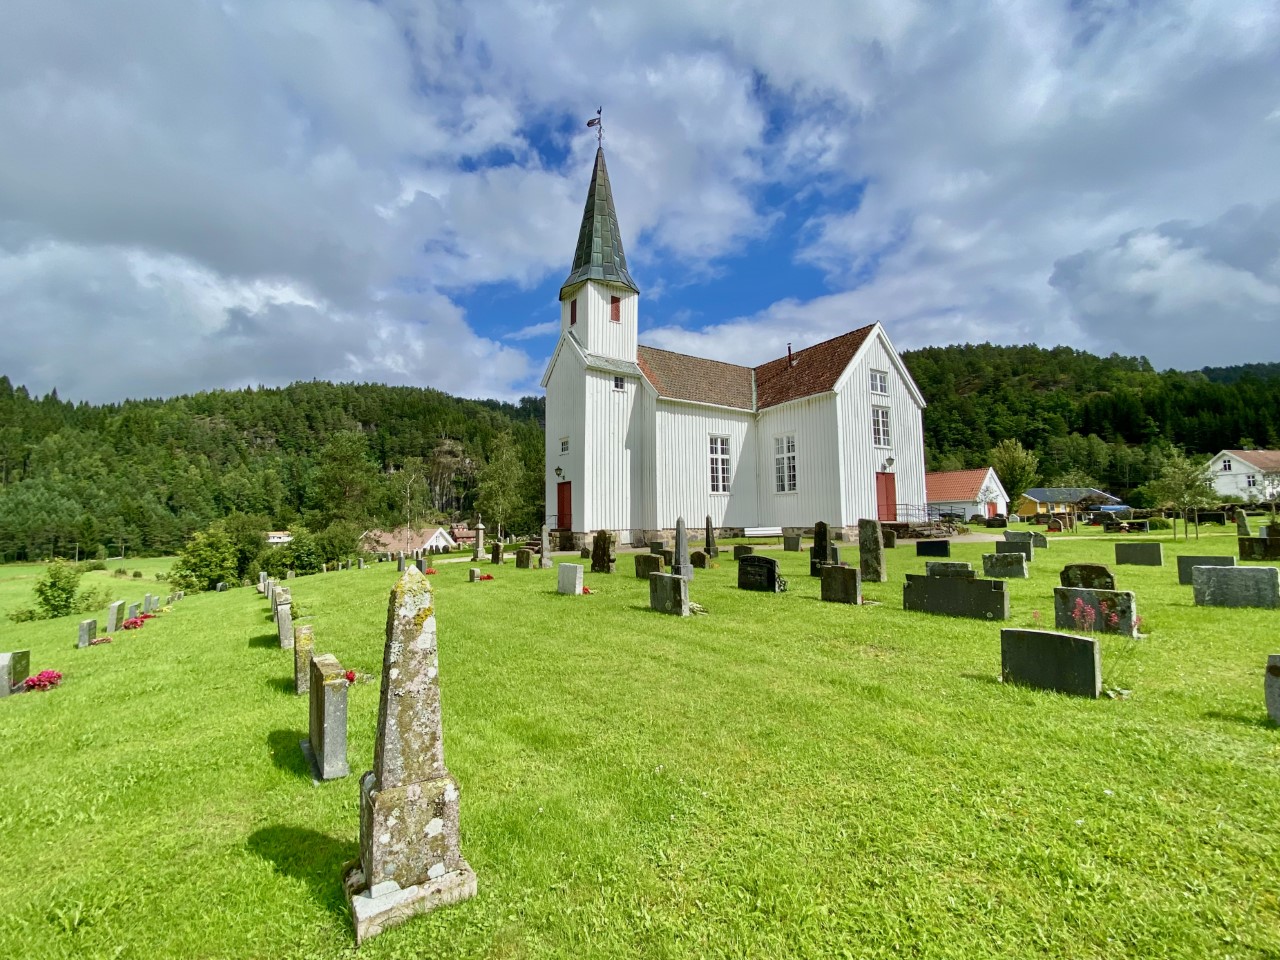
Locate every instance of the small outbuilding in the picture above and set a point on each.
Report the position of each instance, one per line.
(439, 540)
(966, 492)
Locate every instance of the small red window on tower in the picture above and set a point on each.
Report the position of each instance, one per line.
(615, 309)
(573, 312)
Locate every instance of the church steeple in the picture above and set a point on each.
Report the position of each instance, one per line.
(599, 254)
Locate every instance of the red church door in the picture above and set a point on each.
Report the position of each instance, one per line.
(886, 496)
(564, 505)
(991, 508)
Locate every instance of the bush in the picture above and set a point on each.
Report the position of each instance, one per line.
(24, 615)
(1159, 523)
(120, 572)
(137, 574)
(56, 590)
(208, 558)
(84, 566)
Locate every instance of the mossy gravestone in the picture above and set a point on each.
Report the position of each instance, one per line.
(410, 857)
(682, 567)
(871, 551)
(603, 559)
(326, 745)
(711, 548)
(647, 563)
(304, 642)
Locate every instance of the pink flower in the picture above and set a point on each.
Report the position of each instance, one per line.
(429, 570)
(351, 676)
(586, 590)
(134, 623)
(44, 680)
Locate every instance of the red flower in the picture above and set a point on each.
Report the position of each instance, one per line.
(351, 676)
(43, 680)
(134, 623)
(147, 616)
(429, 570)
(486, 576)
(586, 590)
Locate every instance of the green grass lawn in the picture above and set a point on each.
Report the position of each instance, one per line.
(780, 778)
(17, 580)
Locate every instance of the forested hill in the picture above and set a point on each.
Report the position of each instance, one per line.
(149, 472)
(1105, 419)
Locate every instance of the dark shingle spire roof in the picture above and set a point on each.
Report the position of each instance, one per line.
(599, 255)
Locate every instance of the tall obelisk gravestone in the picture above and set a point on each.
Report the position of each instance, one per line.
(410, 861)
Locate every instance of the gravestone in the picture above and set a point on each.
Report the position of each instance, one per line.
(759, 573)
(15, 667)
(360, 563)
(657, 546)
(682, 567)
(1271, 687)
(1259, 548)
(841, 584)
(1087, 576)
(169, 602)
(871, 551)
(1007, 566)
(326, 746)
(304, 643)
(1039, 541)
(934, 548)
(422, 564)
(1098, 611)
(498, 552)
(262, 577)
(478, 552)
(699, 559)
(669, 593)
(1186, 563)
(791, 544)
(132, 612)
(181, 594)
(1024, 547)
(221, 587)
(113, 616)
(544, 554)
(820, 552)
(833, 552)
(647, 563)
(290, 575)
(956, 597)
(148, 603)
(524, 559)
(890, 538)
(949, 568)
(410, 856)
(569, 579)
(1236, 587)
(1140, 554)
(88, 632)
(1051, 661)
(711, 548)
(1019, 536)
(1242, 524)
(474, 575)
(741, 550)
(603, 558)
(284, 626)
(668, 557)
(585, 553)
(400, 563)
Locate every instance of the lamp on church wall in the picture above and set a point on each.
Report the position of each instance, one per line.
(888, 464)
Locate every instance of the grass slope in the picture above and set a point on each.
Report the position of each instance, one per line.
(781, 778)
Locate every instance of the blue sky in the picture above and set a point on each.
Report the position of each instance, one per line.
(217, 194)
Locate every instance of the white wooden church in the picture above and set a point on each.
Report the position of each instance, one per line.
(638, 436)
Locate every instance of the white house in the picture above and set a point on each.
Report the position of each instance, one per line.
(966, 492)
(638, 436)
(439, 540)
(276, 537)
(1251, 474)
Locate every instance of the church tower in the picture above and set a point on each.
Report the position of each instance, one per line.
(599, 301)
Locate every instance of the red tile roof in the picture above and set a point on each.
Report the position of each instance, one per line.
(953, 486)
(1268, 461)
(682, 377)
(810, 371)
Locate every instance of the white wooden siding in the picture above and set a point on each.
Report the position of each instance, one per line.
(860, 458)
(683, 466)
(813, 421)
(597, 333)
(566, 417)
(613, 442)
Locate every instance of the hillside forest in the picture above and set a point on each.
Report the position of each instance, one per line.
(141, 476)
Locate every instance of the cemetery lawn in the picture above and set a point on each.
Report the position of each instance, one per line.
(18, 579)
(779, 778)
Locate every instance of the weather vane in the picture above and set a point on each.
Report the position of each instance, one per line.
(596, 122)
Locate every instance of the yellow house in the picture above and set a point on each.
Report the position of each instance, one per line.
(1039, 500)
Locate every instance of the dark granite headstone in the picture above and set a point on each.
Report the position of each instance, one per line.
(1007, 566)
(585, 553)
(1185, 564)
(791, 543)
(841, 584)
(820, 552)
(1236, 587)
(1097, 611)
(1089, 576)
(949, 568)
(1259, 548)
(890, 538)
(1140, 554)
(1020, 536)
(1024, 547)
(668, 557)
(647, 563)
(956, 597)
(669, 593)
(699, 559)
(1242, 524)
(498, 552)
(933, 548)
(657, 546)
(711, 548)
(1051, 661)
(524, 559)
(759, 573)
(741, 550)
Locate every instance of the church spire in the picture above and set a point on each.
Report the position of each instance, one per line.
(599, 254)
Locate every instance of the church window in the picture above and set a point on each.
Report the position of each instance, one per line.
(880, 426)
(1250, 480)
(719, 464)
(573, 312)
(784, 463)
(615, 309)
(564, 444)
(1226, 466)
(879, 381)
(619, 383)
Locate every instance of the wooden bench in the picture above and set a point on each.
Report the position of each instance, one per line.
(762, 532)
